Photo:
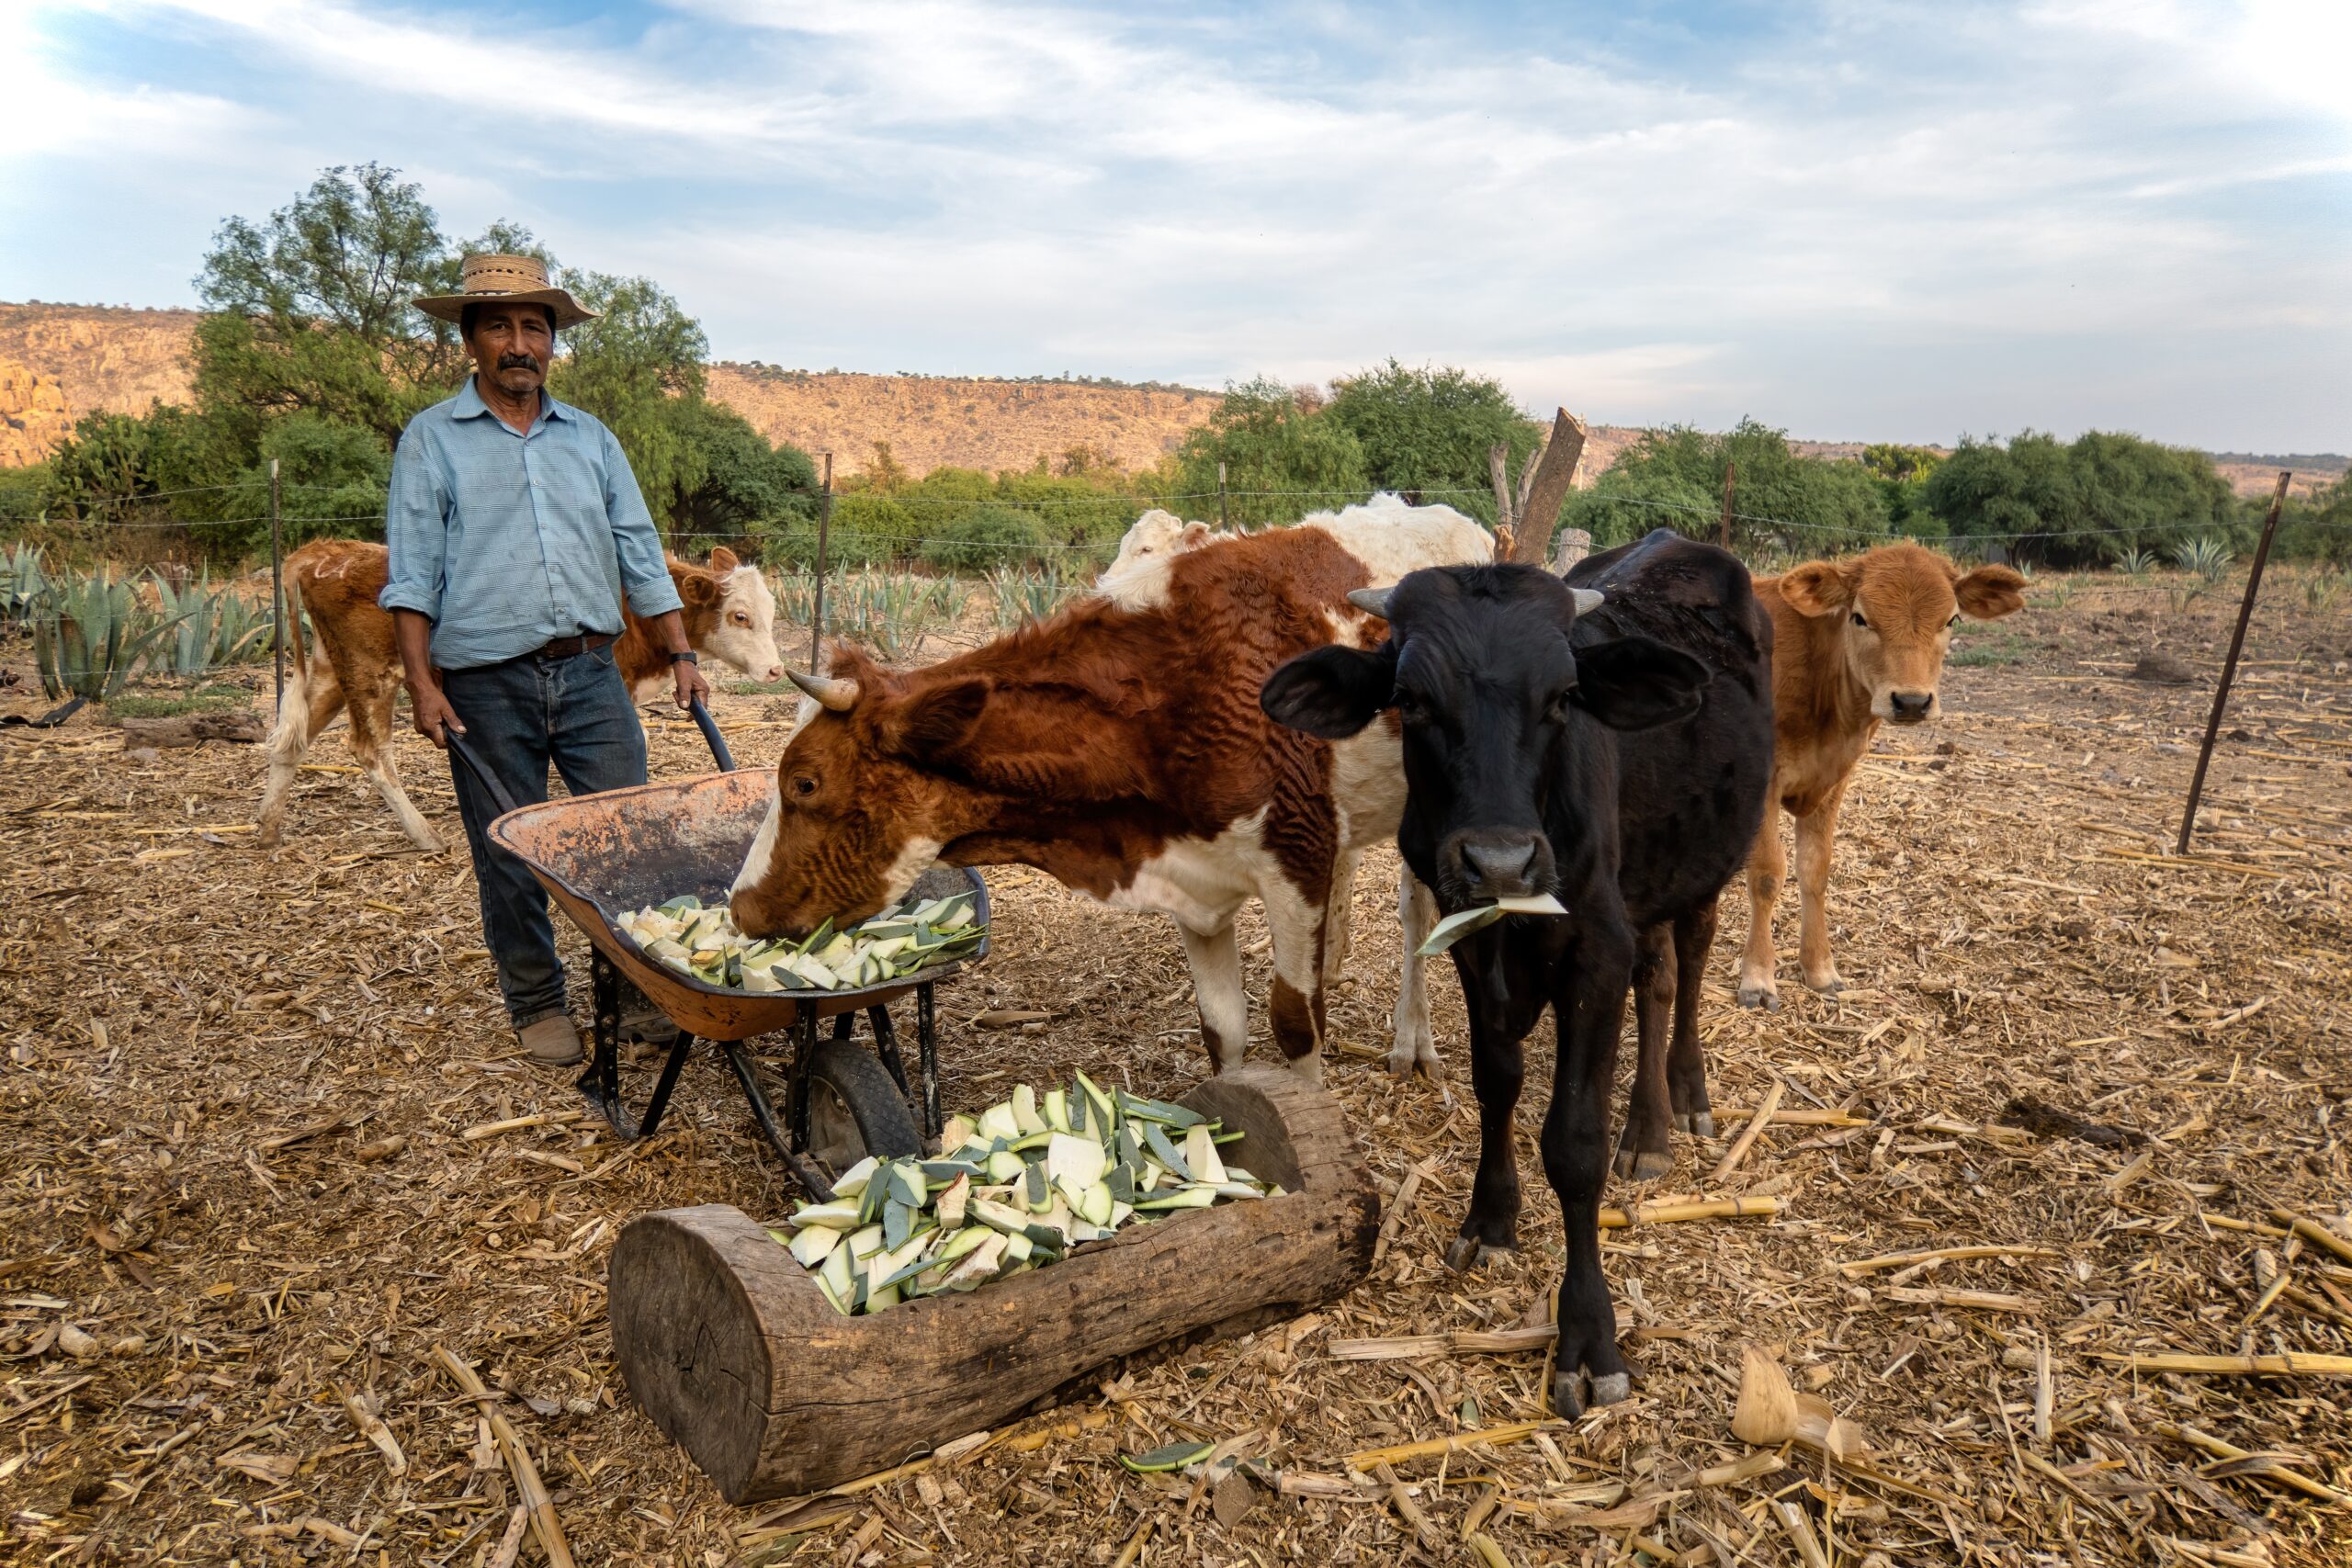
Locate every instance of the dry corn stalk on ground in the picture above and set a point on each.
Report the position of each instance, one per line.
(268, 1144)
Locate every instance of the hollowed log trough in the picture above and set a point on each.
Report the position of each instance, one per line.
(730, 1345)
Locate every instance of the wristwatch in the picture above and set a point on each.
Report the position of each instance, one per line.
(688, 656)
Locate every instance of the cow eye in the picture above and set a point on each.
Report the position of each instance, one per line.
(741, 617)
(1557, 710)
(1954, 621)
(803, 785)
(1410, 708)
(1857, 619)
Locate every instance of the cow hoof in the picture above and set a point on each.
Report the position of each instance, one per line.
(1571, 1385)
(1467, 1253)
(1763, 997)
(1702, 1124)
(1643, 1165)
(1828, 987)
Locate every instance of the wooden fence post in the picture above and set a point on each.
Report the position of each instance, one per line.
(2230, 664)
(817, 610)
(1222, 520)
(278, 583)
(1538, 507)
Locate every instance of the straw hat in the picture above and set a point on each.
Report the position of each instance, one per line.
(493, 280)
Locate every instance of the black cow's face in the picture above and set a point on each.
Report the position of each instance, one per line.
(1480, 668)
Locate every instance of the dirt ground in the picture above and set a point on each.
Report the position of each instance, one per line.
(239, 1199)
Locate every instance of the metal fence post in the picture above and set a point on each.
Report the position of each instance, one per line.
(1731, 471)
(1222, 520)
(278, 583)
(817, 612)
(2230, 664)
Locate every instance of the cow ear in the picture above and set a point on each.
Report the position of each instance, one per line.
(1331, 693)
(1194, 536)
(930, 723)
(723, 560)
(1635, 683)
(1816, 588)
(698, 587)
(1989, 593)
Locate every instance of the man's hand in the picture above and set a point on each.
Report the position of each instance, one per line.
(690, 685)
(432, 712)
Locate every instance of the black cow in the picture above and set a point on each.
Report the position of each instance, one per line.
(1612, 748)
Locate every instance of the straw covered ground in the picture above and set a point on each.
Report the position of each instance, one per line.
(2084, 1103)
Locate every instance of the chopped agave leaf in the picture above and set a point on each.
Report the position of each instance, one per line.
(1175, 1456)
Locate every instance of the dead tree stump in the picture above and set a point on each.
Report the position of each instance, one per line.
(731, 1348)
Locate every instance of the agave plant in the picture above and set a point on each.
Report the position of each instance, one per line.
(88, 633)
(211, 626)
(22, 584)
(2204, 555)
(2322, 589)
(1025, 594)
(2136, 562)
(892, 612)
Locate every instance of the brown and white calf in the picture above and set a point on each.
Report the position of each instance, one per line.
(1856, 643)
(1119, 747)
(352, 662)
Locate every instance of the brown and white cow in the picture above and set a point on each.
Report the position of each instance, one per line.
(1120, 747)
(351, 660)
(1856, 643)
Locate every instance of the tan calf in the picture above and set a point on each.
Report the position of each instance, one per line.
(1855, 642)
(352, 662)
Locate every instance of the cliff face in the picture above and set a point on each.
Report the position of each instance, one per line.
(60, 362)
(937, 422)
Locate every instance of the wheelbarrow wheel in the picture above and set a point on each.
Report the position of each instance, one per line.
(854, 1109)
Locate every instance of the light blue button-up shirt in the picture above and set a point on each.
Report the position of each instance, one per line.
(506, 542)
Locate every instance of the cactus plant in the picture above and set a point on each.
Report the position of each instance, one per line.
(22, 583)
(88, 633)
(214, 627)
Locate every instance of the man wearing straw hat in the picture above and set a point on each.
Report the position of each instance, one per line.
(515, 527)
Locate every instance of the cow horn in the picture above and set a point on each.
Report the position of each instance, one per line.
(838, 695)
(1371, 601)
(1588, 599)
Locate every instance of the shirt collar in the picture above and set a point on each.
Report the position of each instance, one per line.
(470, 406)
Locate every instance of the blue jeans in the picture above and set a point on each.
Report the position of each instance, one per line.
(519, 716)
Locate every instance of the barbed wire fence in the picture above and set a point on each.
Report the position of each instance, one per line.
(778, 543)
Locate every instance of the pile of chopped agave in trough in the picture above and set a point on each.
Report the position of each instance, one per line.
(1015, 1189)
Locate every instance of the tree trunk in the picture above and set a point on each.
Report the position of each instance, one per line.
(731, 1348)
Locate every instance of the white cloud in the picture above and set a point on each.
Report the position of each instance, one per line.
(1881, 188)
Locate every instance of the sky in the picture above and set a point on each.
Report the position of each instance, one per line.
(1853, 220)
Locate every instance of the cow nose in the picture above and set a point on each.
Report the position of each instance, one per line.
(1501, 870)
(1910, 707)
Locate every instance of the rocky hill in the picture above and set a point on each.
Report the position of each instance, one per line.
(59, 361)
(932, 421)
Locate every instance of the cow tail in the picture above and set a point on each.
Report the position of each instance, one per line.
(298, 684)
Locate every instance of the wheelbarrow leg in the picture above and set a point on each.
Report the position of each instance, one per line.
(927, 1055)
(747, 1075)
(601, 1084)
(664, 1084)
(886, 1045)
(804, 1063)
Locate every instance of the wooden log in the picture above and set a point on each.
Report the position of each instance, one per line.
(194, 728)
(727, 1344)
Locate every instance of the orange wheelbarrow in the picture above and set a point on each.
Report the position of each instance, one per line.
(600, 856)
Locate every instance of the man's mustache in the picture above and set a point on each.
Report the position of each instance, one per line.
(519, 362)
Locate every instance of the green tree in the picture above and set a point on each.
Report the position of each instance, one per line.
(1674, 479)
(639, 367)
(1431, 430)
(749, 490)
(1271, 448)
(2079, 503)
(310, 308)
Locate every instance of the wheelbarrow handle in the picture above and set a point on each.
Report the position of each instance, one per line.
(710, 726)
(463, 750)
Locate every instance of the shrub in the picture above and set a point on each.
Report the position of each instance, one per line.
(985, 537)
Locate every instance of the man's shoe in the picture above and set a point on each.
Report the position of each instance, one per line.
(553, 1041)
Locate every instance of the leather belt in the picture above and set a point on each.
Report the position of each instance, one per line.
(573, 647)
